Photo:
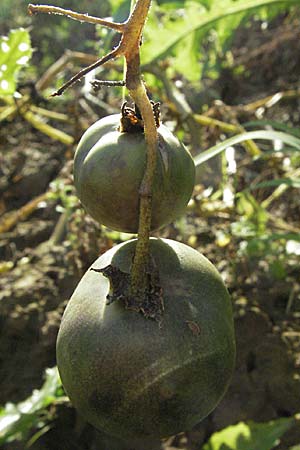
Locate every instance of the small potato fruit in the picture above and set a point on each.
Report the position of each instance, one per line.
(133, 378)
(109, 167)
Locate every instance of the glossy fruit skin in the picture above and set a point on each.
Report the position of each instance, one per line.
(132, 378)
(109, 167)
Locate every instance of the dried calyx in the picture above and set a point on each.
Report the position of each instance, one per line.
(152, 305)
(131, 118)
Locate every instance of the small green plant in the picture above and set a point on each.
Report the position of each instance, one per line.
(250, 435)
(15, 54)
(17, 421)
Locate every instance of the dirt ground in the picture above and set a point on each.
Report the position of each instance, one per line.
(44, 255)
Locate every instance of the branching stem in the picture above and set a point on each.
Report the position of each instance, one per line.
(113, 54)
(129, 47)
(47, 9)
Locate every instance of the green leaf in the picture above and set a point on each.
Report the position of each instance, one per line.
(292, 182)
(120, 9)
(250, 435)
(15, 52)
(116, 4)
(251, 135)
(274, 124)
(16, 420)
(191, 68)
(181, 30)
(255, 217)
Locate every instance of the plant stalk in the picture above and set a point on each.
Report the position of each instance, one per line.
(129, 47)
(138, 93)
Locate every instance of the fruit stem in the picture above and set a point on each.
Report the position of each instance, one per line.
(137, 91)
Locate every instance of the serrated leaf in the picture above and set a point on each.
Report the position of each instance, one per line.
(189, 23)
(250, 435)
(15, 52)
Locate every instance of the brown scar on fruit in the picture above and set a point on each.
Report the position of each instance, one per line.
(152, 306)
(194, 327)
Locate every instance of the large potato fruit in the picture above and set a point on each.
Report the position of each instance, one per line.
(108, 171)
(132, 378)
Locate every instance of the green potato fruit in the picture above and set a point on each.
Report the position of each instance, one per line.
(133, 378)
(109, 167)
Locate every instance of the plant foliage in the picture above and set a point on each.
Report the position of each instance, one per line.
(183, 26)
(16, 420)
(286, 138)
(15, 53)
(250, 435)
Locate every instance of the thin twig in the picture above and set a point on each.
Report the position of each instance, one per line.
(59, 231)
(50, 114)
(250, 146)
(60, 64)
(46, 9)
(280, 189)
(291, 299)
(271, 100)
(40, 125)
(97, 84)
(113, 54)
(12, 218)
